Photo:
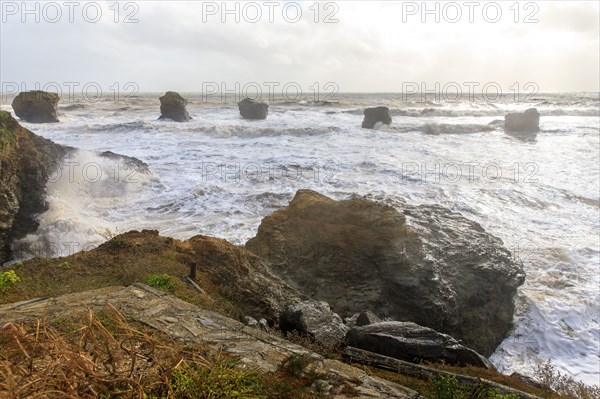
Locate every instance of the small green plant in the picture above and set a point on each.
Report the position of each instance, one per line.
(18, 264)
(160, 281)
(447, 387)
(8, 279)
(64, 265)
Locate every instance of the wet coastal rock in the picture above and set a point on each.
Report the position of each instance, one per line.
(376, 115)
(173, 106)
(26, 161)
(252, 109)
(523, 122)
(423, 264)
(413, 343)
(316, 319)
(36, 106)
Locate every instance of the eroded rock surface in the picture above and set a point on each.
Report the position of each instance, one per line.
(26, 161)
(413, 343)
(36, 106)
(426, 264)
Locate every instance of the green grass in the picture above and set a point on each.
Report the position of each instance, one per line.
(163, 282)
(122, 261)
(64, 265)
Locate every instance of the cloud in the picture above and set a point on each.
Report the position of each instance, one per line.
(374, 46)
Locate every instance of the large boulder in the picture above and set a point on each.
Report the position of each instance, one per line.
(26, 161)
(172, 106)
(426, 264)
(413, 343)
(36, 106)
(252, 109)
(315, 319)
(528, 121)
(375, 115)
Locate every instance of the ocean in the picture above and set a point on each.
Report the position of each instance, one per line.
(219, 175)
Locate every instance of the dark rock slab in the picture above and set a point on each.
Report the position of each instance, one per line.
(424, 264)
(375, 115)
(413, 343)
(528, 121)
(36, 106)
(173, 106)
(252, 109)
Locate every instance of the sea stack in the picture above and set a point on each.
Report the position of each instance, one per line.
(375, 115)
(252, 109)
(528, 121)
(172, 106)
(36, 106)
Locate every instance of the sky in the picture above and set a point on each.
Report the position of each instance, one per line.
(346, 46)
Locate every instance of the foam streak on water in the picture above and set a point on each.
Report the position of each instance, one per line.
(220, 175)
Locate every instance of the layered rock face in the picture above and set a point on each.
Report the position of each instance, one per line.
(25, 163)
(172, 106)
(441, 270)
(252, 109)
(376, 115)
(528, 121)
(413, 343)
(36, 106)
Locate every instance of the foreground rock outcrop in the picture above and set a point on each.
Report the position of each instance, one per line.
(316, 319)
(525, 122)
(204, 329)
(413, 343)
(376, 115)
(26, 160)
(243, 277)
(252, 109)
(36, 106)
(173, 106)
(427, 265)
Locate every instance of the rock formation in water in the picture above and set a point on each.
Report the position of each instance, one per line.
(427, 265)
(36, 106)
(252, 109)
(172, 106)
(526, 122)
(376, 115)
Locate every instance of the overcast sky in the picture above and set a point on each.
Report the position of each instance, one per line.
(366, 47)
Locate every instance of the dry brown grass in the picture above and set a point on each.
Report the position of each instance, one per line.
(102, 355)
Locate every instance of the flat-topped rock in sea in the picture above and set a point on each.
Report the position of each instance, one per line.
(525, 122)
(376, 115)
(252, 109)
(36, 106)
(173, 106)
